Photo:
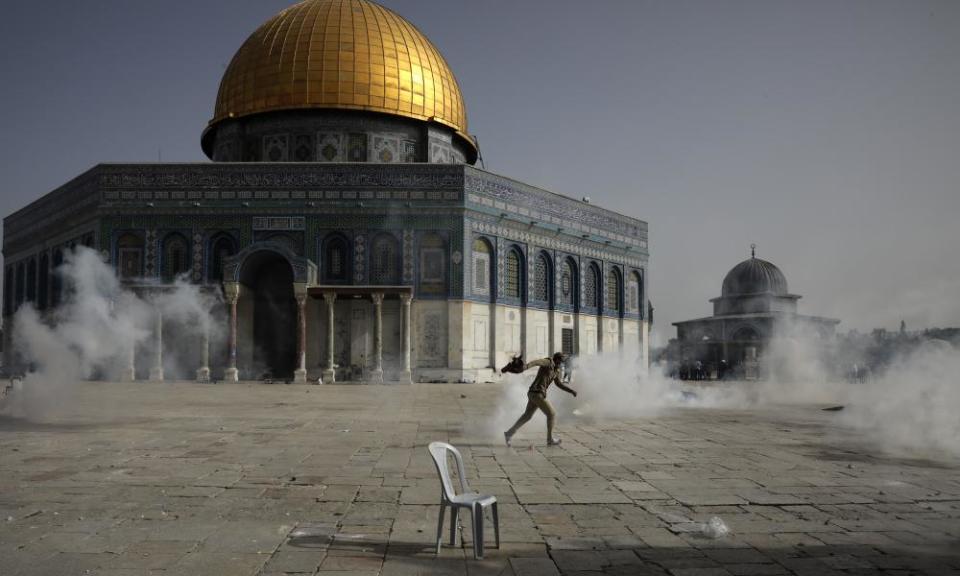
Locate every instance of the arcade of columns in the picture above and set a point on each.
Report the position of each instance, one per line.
(232, 373)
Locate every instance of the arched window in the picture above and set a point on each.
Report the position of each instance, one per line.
(221, 248)
(512, 272)
(32, 281)
(633, 296)
(129, 256)
(482, 266)
(176, 259)
(433, 264)
(542, 278)
(591, 293)
(336, 264)
(746, 334)
(384, 267)
(57, 280)
(43, 284)
(21, 282)
(613, 289)
(8, 291)
(568, 283)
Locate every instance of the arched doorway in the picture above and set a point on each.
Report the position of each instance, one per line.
(267, 278)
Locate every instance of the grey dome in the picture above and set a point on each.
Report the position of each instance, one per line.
(754, 276)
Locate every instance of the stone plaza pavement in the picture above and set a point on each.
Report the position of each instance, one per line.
(255, 479)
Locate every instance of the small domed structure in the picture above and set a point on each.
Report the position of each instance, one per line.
(754, 276)
(754, 306)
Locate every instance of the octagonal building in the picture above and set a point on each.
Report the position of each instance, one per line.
(344, 223)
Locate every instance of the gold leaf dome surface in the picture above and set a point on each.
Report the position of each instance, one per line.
(341, 54)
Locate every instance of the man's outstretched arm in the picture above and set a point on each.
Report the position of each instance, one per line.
(538, 363)
(566, 388)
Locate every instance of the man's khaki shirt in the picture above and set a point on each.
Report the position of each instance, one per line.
(546, 375)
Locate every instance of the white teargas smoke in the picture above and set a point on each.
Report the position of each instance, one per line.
(91, 334)
(909, 409)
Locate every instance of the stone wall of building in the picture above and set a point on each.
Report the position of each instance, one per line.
(497, 267)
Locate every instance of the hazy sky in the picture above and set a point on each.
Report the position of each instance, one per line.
(828, 132)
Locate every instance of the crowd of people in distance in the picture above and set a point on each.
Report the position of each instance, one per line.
(699, 371)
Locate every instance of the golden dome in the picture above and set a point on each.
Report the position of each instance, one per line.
(341, 54)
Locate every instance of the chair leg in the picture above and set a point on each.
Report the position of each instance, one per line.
(443, 510)
(477, 513)
(454, 513)
(496, 524)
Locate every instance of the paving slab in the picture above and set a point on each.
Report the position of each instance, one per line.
(184, 478)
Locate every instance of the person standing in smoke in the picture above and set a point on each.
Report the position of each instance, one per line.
(550, 370)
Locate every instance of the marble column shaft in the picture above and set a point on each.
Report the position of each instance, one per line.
(329, 373)
(300, 374)
(232, 292)
(156, 372)
(377, 374)
(405, 375)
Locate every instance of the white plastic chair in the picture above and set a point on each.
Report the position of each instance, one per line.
(473, 501)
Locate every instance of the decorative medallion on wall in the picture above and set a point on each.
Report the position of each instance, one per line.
(457, 257)
(330, 147)
(275, 148)
(386, 150)
(501, 253)
(197, 257)
(359, 248)
(150, 254)
(303, 149)
(408, 256)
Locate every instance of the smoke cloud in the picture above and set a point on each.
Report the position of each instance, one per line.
(92, 334)
(910, 408)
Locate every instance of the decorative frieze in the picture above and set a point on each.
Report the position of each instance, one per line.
(516, 198)
(286, 176)
(279, 223)
(553, 243)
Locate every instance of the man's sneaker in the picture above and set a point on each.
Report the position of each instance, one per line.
(553, 442)
(506, 437)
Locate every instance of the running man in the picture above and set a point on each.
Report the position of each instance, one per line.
(550, 371)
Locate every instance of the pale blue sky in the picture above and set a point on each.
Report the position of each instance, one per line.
(828, 132)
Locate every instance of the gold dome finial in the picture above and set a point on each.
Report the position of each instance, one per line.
(341, 54)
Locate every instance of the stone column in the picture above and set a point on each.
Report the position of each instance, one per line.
(232, 292)
(300, 293)
(129, 372)
(156, 372)
(330, 372)
(203, 373)
(405, 375)
(376, 376)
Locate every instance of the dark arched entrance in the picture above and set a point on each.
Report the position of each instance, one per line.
(268, 281)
